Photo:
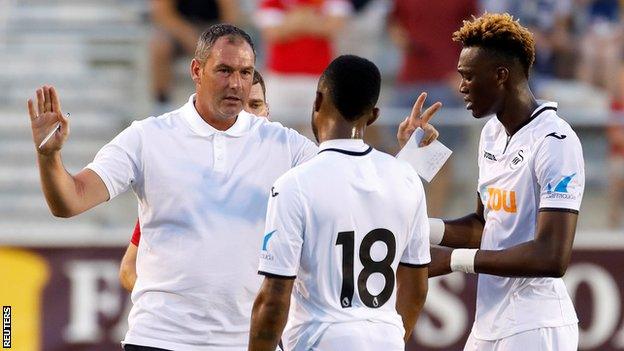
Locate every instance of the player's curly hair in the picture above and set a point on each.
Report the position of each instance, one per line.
(501, 33)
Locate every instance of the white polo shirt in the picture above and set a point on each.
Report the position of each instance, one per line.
(341, 223)
(540, 167)
(202, 204)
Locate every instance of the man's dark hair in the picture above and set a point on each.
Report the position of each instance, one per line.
(354, 84)
(216, 31)
(257, 78)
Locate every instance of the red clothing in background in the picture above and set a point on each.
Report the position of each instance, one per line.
(431, 54)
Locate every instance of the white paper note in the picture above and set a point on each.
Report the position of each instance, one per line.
(426, 160)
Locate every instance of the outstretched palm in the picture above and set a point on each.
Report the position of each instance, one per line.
(45, 118)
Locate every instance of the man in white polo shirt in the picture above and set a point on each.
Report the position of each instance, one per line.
(531, 181)
(348, 230)
(201, 174)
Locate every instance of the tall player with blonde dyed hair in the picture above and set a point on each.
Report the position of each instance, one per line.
(531, 181)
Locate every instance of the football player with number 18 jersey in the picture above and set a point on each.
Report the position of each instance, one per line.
(348, 230)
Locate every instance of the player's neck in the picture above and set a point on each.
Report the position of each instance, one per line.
(517, 108)
(339, 128)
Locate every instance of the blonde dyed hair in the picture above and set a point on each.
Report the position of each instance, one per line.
(499, 32)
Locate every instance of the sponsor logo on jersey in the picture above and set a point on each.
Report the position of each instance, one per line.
(560, 191)
(265, 241)
(501, 200)
(489, 156)
(517, 160)
(555, 135)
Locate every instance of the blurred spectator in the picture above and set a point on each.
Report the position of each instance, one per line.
(364, 32)
(299, 39)
(422, 31)
(178, 24)
(551, 23)
(602, 65)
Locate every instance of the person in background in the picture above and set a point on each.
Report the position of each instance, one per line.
(299, 38)
(257, 105)
(428, 63)
(177, 25)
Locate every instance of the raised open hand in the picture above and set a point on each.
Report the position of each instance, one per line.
(45, 117)
(419, 119)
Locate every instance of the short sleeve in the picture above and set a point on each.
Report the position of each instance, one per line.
(136, 234)
(303, 149)
(283, 237)
(417, 250)
(560, 171)
(117, 163)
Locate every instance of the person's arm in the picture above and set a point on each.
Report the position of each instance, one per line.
(464, 232)
(302, 20)
(270, 313)
(127, 268)
(67, 195)
(165, 15)
(229, 11)
(547, 255)
(411, 294)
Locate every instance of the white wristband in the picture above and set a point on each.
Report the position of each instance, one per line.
(462, 260)
(436, 231)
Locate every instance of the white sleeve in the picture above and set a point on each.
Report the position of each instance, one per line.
(118, 162)
(283, 237)
(303, 149)
(417, 250)
(560, 171)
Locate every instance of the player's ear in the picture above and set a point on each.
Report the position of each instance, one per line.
(196, 68)
(373, 116)
(318, 101)
(502, 75)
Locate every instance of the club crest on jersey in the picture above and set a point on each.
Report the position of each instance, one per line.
(517, 160)
(560, 191)
(501, 200)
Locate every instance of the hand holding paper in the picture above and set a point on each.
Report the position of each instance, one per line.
(426, 160)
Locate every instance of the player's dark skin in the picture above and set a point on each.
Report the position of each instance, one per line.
(270, 310)
(493, 84)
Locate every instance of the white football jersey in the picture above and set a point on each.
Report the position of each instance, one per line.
(540, 167)
(341, 224)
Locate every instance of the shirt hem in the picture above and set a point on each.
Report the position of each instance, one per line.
(520, 329)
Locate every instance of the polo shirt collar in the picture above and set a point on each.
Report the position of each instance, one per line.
(350, 146)
(201, 127)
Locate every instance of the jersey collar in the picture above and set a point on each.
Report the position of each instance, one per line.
(353, 147)
(200, 127)
(543, 106)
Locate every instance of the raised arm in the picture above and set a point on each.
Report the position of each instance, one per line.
(67, 195)
(270, 313)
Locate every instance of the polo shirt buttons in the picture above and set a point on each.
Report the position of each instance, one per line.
(219, 152)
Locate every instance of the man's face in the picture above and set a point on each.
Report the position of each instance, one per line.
(224, 80)
(256, 103)
(479, 86)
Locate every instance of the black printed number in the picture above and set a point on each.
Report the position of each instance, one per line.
(346, 239)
